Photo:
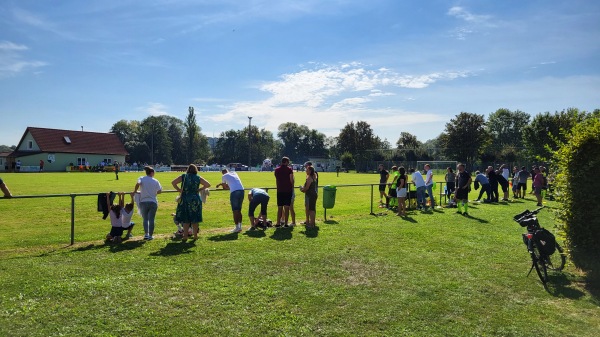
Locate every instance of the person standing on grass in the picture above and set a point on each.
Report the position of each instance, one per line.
(4, 189)
(401, 191)
(149, 189)
(493, 183)
(523, 176)
(429, 184)
(306, 210)
(189, 205)
(257, 196)
(463, 186)
(515, 183)
(384, 175)
(310, 190)
(392, 201)
(284, 180)
(232, 182)
(538, 184)
(41, 165)
(450, 179)
(117, 168)
(419, 182)
(503, 182)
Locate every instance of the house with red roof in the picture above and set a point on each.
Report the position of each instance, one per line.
(62, 149)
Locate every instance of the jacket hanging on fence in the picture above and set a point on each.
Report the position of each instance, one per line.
(102, 206)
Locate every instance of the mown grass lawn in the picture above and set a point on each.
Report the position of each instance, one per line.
(434, 273)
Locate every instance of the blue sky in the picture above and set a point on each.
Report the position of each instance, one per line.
(399, 65)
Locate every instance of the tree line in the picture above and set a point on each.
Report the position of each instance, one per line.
(505, 136)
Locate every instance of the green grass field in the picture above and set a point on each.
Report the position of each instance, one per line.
(434, 273)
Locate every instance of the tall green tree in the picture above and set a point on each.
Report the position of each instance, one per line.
(543, 136)
(359, 140)
(506, 128)
(126, 130)
(192, 134)
(300, 142)
(464, 137)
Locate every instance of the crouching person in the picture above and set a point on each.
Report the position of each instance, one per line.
(120, 218)
(256, 197)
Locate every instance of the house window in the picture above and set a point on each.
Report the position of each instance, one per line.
(80, 161)
(67, 140)
(108, 161)
(30, 145)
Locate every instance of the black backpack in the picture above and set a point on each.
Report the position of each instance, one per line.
(545, 241)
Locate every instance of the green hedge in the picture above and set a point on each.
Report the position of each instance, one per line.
(578, 189)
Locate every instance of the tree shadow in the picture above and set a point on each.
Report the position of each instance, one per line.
(310, 232)
(224, 237)
(282, 233)
(175, 248)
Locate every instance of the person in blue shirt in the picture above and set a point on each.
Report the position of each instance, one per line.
(481, 179)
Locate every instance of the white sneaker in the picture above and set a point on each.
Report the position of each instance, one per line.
(237, 229)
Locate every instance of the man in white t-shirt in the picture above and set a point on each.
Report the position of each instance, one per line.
(150, 188)
(429, 184)
(419, 182)
(232, 182)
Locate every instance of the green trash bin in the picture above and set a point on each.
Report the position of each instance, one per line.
(328, 196)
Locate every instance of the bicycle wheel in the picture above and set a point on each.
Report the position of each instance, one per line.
(557, 260)
(540, 266)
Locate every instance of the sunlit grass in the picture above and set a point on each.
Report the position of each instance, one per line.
(434, 273)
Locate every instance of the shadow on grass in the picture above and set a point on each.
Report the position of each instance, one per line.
(480, 220)
(560, 285)
(282, 233)
(409, 219)
(224, 237)
(310, 232)
(331, 222)
(112, 247)
(175, 248)
(259, 233)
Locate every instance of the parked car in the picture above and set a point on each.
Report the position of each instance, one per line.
(237, 167)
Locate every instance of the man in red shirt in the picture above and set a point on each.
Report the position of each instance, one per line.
(284, 178)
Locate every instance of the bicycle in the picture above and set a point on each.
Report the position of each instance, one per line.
(545, 252)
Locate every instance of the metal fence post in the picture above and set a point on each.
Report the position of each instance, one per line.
(73, 219)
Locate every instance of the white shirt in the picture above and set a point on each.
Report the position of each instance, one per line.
(505, 173)
(234, 182)
(417, 179)
(126, 217)
(149, 188)
(429, 178)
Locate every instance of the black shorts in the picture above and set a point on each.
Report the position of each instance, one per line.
(462, 194)
(312, 202)
(504, 187)
(382, 187)
(523, 186)
(284, 198)
(392, 193)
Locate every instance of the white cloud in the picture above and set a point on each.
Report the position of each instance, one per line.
(154, 109)
(12, 62)
(462, 13)
(327, 97)
(9, 46)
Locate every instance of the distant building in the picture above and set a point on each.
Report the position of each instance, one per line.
(61, 149)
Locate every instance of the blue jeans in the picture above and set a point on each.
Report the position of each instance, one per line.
(421, 196)
(429, 189)
(148, 210)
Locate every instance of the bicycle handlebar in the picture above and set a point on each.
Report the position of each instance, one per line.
(521, 216)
